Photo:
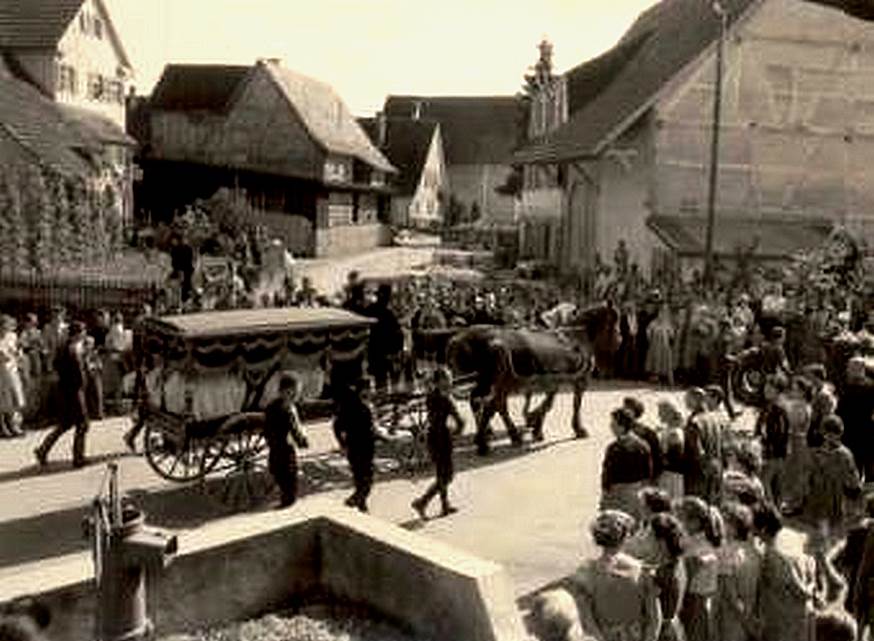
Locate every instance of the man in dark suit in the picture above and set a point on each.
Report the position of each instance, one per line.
(72, 376)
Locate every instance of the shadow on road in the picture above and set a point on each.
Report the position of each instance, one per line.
(191, 505)
(53, 467)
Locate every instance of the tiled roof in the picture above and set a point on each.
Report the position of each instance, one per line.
(862, 9)
(197, 87)
(35, 23)
(406, 144)
(94, 125)
(37, 125)
(658, 46)
(326, 116)
(775, 237)
(475, 129)
(39, 24)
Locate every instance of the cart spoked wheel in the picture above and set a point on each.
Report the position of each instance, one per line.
(748, 384)
(174, 459)
(236, 463)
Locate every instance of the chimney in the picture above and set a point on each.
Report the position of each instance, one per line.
(381, 130)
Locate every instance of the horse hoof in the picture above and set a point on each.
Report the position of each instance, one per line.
(581, 433)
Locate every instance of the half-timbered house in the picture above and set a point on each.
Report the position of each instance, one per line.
(288, 140)
(631, 158)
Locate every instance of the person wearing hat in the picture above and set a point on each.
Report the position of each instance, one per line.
(72, 378)
(616, 595)
(281, 421)
(355, 433)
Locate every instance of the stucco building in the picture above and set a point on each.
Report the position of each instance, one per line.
(69, 53)
(630, 158)
(288, 140)
(415, 148)
(479, 136)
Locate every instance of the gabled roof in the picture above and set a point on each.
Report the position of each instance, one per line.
(197, 87)
(475, 129)
(774, 237)
(326, 117)
(658, 46)
(41, 130)
(95, 125)
(40, 24)
(35, 23)
(406, 144)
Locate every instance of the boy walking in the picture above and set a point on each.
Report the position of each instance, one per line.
(440, 407)
(281, 419)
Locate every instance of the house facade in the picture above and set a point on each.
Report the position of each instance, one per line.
(71, 53)
(479, 135)
(632, 159)
(415, 148)
(288, 140)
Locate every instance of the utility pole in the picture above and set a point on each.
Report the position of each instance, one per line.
(714, 144)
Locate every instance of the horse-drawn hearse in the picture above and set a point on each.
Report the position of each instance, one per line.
(211, 375)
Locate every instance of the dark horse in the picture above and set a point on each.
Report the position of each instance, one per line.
(509, 361)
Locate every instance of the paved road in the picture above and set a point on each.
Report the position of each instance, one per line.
(527, 509)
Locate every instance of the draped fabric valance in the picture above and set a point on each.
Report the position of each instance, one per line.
(257, 351)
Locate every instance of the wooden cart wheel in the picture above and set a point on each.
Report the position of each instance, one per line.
(175, 459)
(236, 463)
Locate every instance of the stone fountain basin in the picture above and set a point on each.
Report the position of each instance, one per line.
(248, 566)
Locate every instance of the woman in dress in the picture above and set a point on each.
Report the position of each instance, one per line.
(739, 568)
(12, 400)
(704, 529)
(617, 597)
(670, 574)
(798, 411)
(673, 449)
(660, 355)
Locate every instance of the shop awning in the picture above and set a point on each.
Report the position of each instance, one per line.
(770, 238)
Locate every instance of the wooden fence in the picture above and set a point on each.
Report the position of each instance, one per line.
(22, 293)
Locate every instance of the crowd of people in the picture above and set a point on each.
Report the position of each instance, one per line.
(708, 531)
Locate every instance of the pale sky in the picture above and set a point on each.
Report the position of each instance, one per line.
(368, 49)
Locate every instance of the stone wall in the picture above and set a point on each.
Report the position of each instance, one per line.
(249, 565)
